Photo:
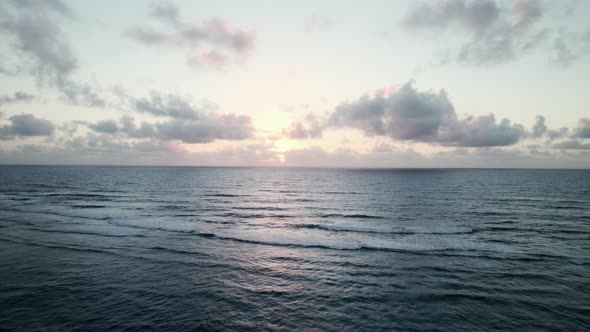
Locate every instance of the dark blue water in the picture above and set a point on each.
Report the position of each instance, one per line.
(248, 249)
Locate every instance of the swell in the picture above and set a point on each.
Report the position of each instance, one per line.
(56, 246)
(393, 230)
(352, 216)
(53, 213)
(82, 233)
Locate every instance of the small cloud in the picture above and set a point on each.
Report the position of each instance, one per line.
(218, 35)
(317, 23)
(18, 96)
(26, 125)
(212, 58)
(583, 129)
(167, 13)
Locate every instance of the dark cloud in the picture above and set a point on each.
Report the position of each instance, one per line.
(170, 105)
(145, 129)
(477, 15)
(571, 145)
(18, 96)
(25, 125)
(411, 115)
(51, 5)
(495, 31)
(167, 13)
(226, 127)
(583, 129)
(216, 34)
(82, 94)
(555, 134)
(483, 131)
(406, 114)
(105, 126)
(539, 128)
(205, 129)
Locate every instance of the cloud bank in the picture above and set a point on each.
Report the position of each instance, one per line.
(26, 125)
(411, 115)
(494, 32)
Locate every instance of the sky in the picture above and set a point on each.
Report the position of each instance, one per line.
(392, 83)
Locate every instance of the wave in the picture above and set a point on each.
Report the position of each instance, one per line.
(88, 206)
(226, 195)
(411, 243)
(349, 227)
(83, 233)
(254, 215)
(354, 216)
(262, 208)
(56, 246)
(66, 213)
(170, 225)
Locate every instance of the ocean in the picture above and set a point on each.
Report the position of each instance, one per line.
(283, 249)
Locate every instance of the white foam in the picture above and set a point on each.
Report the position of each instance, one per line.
(290, 237)
(350, 241)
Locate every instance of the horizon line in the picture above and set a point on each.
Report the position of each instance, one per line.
(300, 167)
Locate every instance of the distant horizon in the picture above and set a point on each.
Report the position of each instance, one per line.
(299, 167)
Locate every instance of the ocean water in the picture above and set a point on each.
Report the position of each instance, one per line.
(273, 249)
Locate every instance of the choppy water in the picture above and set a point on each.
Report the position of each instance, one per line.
(129, 248)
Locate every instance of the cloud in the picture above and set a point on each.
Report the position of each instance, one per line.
(316, 23)
(41, 48)
(105, 149)
(82, 94)
(167, 13)
(563, 54)
(225, 127)
(218, 35)
(204, 129)
(493, 31)
(170, 105)
(18, 96)
(407, 114)
(26, 125)
(37, 35)
(483, 131)
(145, 130)
(477, 15)
(105, 126)
(583, 129)
(212, 58)
(572, 145)
(57, 6)
(555, 134)
(312, 128)
(539, 128)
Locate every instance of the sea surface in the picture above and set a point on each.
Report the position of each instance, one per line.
(280, 249)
